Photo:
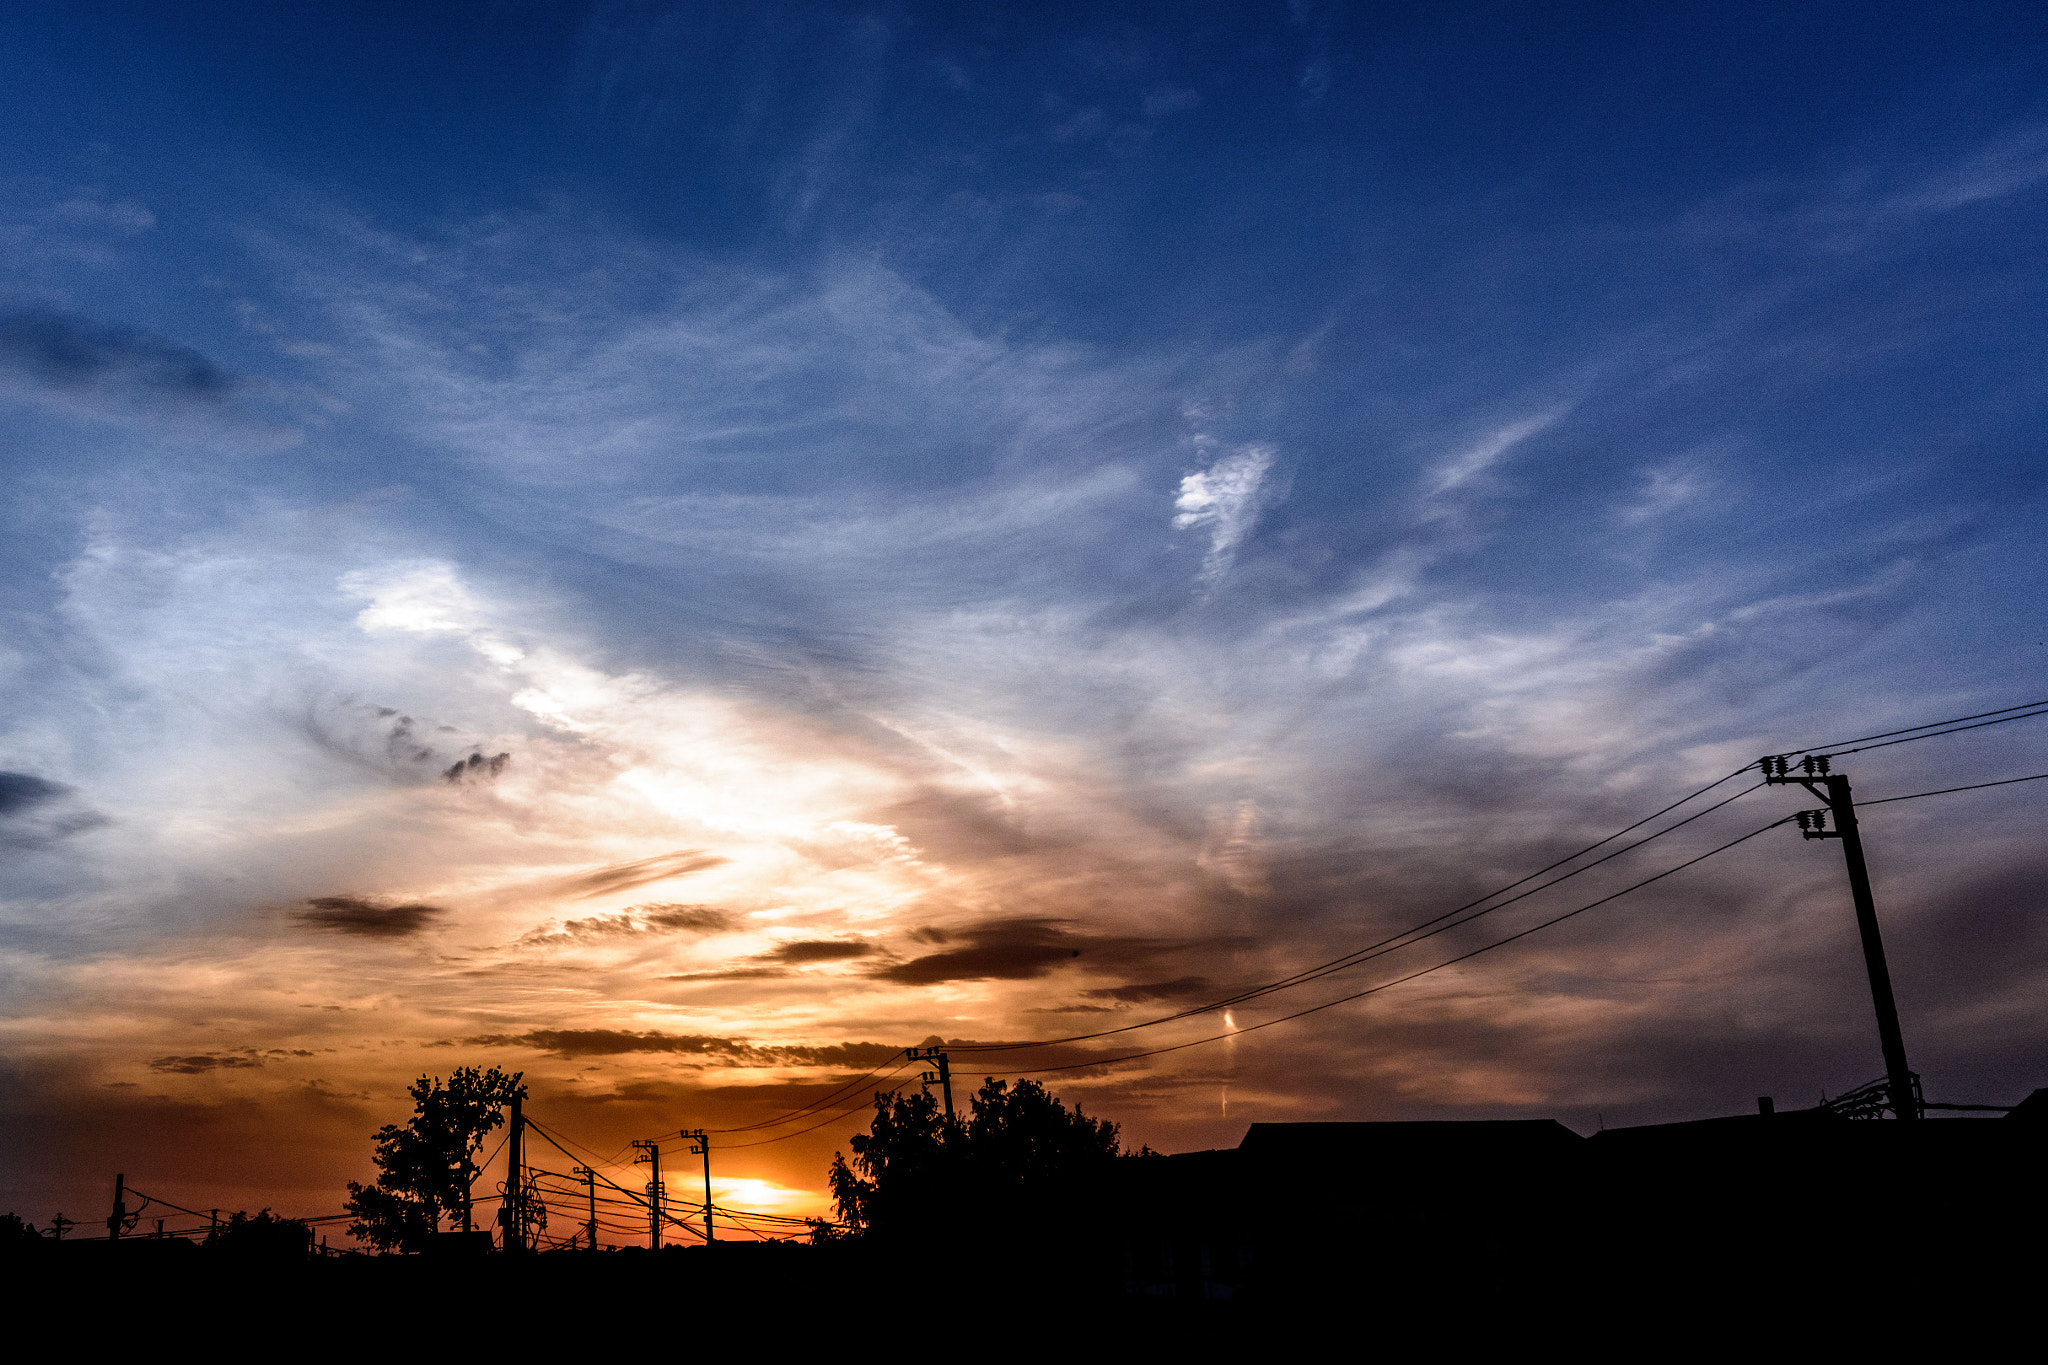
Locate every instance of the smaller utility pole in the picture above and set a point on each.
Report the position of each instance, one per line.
(1833, 788)
(651, 1154)
(590, 1190)
(60, 1225)
(120, 1214)
(943, 1077)
(700, 1144)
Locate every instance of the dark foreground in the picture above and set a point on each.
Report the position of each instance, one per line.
(1746, 1233)
(1815, 1275)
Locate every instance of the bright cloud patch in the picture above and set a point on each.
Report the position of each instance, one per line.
(1225, 499)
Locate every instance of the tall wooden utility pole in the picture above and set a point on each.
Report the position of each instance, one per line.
(702, 1144)
(119, 1216)
(651, 1154)
(515, 1169)
(589, 1189)
(943, 1077)
(1833, 788)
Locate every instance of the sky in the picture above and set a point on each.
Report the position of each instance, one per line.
(683, 549)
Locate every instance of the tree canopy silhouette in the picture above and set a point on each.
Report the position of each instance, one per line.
(425, 1167)
(1019, 1151)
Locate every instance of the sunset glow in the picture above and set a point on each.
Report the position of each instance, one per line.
(683, 553)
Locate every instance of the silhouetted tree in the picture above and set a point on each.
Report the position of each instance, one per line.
(262, 1234)
(903, 1167)
(1019, 1151)
(426, 1167)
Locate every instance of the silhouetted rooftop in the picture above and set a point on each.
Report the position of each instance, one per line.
(1447, 1137)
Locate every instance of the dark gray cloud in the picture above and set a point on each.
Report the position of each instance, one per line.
(36, 812)
(1178, 989)
(733, 974)
(701, 919)
(50, 351)
(393, 744)
(725, 1051)
(22, 791)
(130, 379)
(476, 768)
(642, 872)
(604, 1042)
(838, 1054)
(1015, 949)
(655, 917)
(203, 1062)
(1020, 949)
(367, 918)
(402, 743)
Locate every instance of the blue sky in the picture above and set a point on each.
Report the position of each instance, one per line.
(1185, 487)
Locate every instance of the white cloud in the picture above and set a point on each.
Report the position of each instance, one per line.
(1227, 498)
(425, 598)
(2007, 166)
(1664, 489)
(1486, 452)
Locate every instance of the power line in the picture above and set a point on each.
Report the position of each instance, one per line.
(1388, 985)
(1936, 734)
(1407, 937)
(814, 1105)
(535, 1125)
(1975, 786)
(1414, 934)
(566, 1195)
(829, 1118)
(1930, 725)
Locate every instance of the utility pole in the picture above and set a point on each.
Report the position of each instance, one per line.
(1833, 788)
(943, 1077)
(589, 1189)
(60, 1225)
(651, 1154)
(120, 1214)
(702, 1144)
(512, 1213)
